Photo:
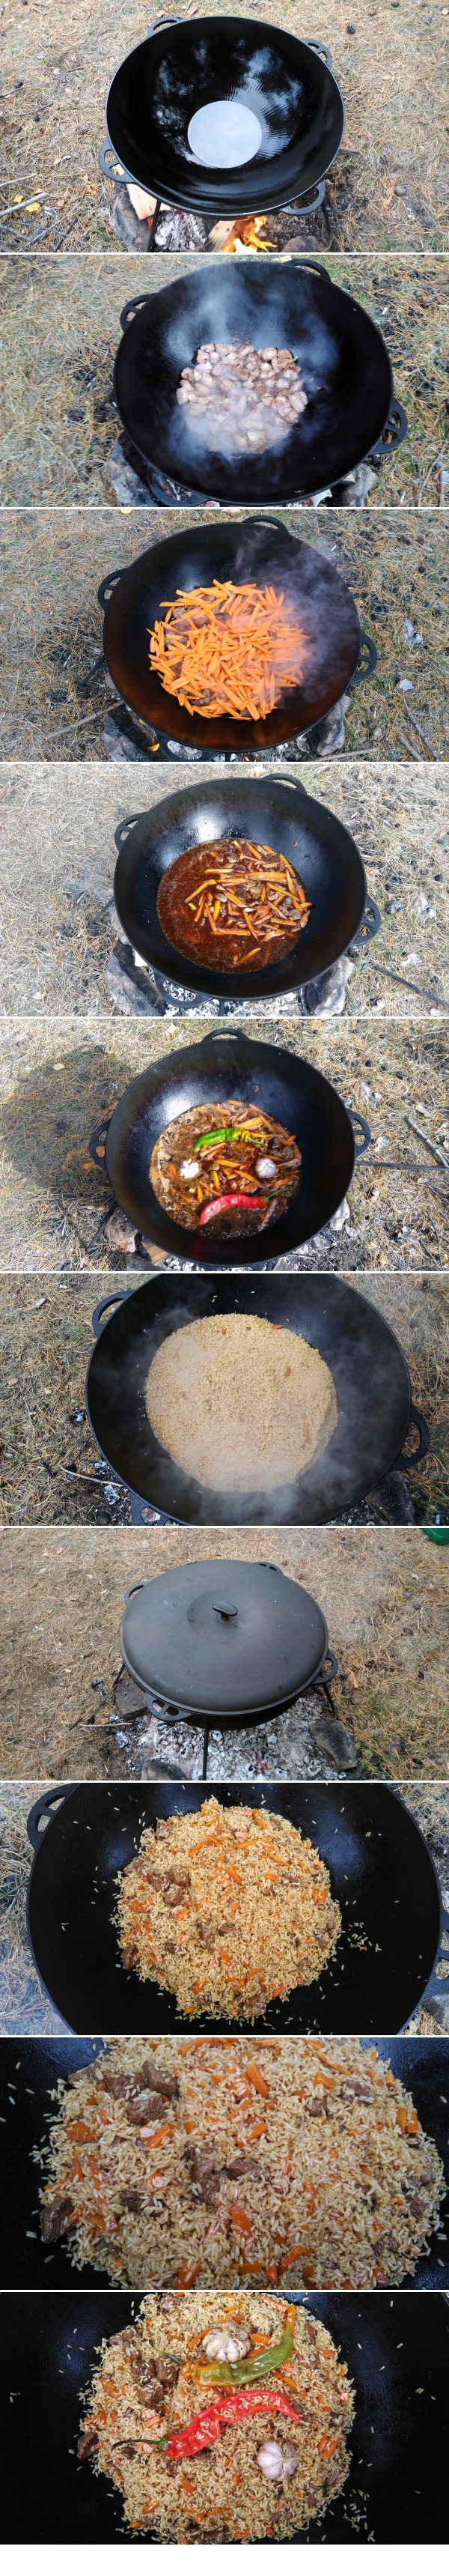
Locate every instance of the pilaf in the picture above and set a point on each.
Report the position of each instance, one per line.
(173, 2161)
(220, 2417)
(242, 1404)
(227, 1907)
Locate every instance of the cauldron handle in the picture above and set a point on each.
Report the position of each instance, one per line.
(330, 1661)
(413, 1460)
(367, 647)
(318, 48)
(358, 1121)
(156, 25)
(370, 924)
(135, 1587)
(43, 1807)
(300, 259)
(396, 428)
(123, 828)
(134, 305)
(106, 587)
(118, 1299)
(115, 169)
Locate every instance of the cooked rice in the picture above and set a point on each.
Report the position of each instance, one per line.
(226, 1938)
(222, 2493)
(240, 1403)
(338, 2186)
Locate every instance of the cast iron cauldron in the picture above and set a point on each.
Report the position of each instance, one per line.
(368, 1367)
(394, 2346)
(276, 809)
(380, 1870)
(259, 550)
(421, 2064)
(224, 1644)
(287, 86)
(285, 1087)
(350, 414)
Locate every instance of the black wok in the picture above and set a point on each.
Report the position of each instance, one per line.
(346, 372)
(396, 2349)
(421, 2064)
(180, 68)
(368, 1367)
(258, 550)
(284, 1086)
(278, 810)
(380, 1870)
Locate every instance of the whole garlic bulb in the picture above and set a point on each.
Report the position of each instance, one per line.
(275, 2463)
(227, 2343)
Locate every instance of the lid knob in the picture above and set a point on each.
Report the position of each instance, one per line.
(225, 1609)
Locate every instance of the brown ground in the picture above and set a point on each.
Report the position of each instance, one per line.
(55, 1084)
(52, 562)
(61, 330)
(386, 191)
(384, 1594)
(24, 2006)
(50, 1461)
(57, 859)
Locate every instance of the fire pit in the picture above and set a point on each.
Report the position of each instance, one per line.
(224, 1644)
(282, 1086)
(350, 415)
(225, 116)
(258, 551)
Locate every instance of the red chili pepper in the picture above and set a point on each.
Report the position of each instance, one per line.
(234, 1198)
(230, 2408)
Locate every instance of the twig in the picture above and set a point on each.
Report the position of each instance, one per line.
(436, 460)
(408, 746)
(37, 198)
(424, 991)
(426, 1140)
(430, 1221)
(424, 736)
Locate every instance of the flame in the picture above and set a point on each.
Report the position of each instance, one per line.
(248, 233)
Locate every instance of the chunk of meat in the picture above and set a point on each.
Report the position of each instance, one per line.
(204, 2174)
(159, 2081)
(56, 2217)
(147, 2107)
(131, 2199)
(87, 2443)
(130, 1956)
(317, 2110)
(243, 2165)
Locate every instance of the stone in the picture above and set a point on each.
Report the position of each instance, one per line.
(129, 1699)
(334, 1739)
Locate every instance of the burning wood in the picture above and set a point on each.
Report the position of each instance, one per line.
(247, 233)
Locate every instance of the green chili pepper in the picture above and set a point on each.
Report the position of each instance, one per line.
(219, 1136)
(240, 2374)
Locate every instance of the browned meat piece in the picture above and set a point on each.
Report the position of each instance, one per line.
(160, 2083)
(356, 2092)
(173, 1891)
(143, 2366)
(178, 1878)
(163, 1827)
(243, 2165)
(118, 2085)
(168, 2371)
(87, 2443)
(55, 2220)
(130, 1956)
(132, 2200)
(316, 2110)
(147, 2107)
(204, 2174)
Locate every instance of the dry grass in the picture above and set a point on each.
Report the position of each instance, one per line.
(57, 860)
(61, 330)
(55, 695)
(56, 1084)
(387, 191)
(384, 1594)
(25, 2008)
(47, 1340)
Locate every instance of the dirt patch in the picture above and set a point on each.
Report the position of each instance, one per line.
(57, 860)
(55, 1203)
(61, 331)
(384, 1595)
(386, 191)
(51, 1466)
(56, 687)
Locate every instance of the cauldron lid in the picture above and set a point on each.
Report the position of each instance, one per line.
(223, 1636)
